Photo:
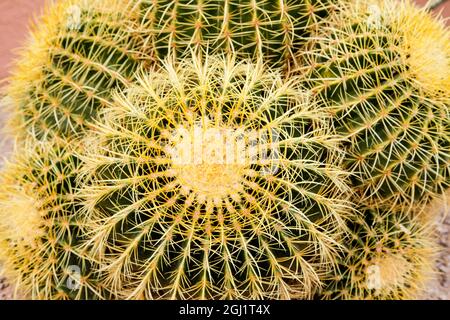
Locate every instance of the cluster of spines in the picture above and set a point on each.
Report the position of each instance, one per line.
(390, 255)
(389, 95)
(77, 54)
(41, 227)
(270, 30)
(162, 232)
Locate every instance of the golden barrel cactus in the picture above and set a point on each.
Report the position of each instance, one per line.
(214, 179)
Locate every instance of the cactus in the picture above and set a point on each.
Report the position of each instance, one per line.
(41, 226)
(391, 255)
(268, 29)
(213, 179)
(215, 175)
(78, 52)
(383, 71)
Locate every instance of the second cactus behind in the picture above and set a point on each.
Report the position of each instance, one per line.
(383, 70)
(271, 30)
(41, 225)
(77, 53)
(390, 256)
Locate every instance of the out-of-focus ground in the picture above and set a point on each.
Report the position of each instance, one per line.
(15, 16)
(439, 288)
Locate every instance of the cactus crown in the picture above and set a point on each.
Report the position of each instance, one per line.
(173, 217)
(422, 41)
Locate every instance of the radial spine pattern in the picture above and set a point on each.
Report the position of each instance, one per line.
(214, 179)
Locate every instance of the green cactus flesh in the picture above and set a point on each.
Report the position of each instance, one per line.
(390, 255)
(174, 218)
